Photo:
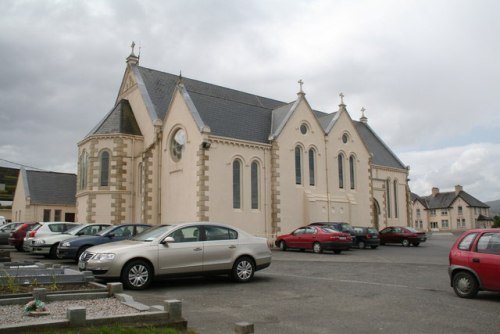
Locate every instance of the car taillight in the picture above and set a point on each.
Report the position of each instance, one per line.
(32, 234)
(368, 236)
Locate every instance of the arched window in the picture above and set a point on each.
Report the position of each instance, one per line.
(312, 163)
(139, 183)
(388, 197)
(341, 170)
(254, 183)
(352, 176)
(104, 164)
(84, 161)
(395, 198)
(298, 165)
(236, 184)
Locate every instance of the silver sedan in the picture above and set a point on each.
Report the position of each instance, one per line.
(179, 250)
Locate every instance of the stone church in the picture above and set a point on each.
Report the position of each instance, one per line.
(176, 149)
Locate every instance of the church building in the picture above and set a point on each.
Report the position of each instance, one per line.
(176, 149)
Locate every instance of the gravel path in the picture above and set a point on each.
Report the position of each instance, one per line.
(13, 314)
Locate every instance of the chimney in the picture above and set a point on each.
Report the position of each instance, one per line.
(435, 191)
(458, 189)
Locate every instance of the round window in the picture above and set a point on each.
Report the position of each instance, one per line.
(345, 138)
(177, 144)
(303, 129)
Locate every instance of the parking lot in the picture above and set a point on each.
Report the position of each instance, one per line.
(390, 289)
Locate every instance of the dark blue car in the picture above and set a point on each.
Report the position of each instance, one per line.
(72, 248)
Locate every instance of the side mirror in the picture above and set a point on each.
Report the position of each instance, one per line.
(168, 240)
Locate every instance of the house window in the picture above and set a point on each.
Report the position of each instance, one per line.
(46, 215)
(255, 185)
(444, 224)
(177, 144)
(395, 183)
(57, 215)
(104, 175)
(341, 171)
(388, 197)
(460, 211)
(236, 184)
(84, 160)
(444, 212)
(433, 212)
(418, 213)
(298, 165)
(434, 225)
(351, 172)
(312, 157)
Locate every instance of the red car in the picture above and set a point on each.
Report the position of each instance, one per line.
(475, 262)
(405, 236)
(317, 238)
(17, 236)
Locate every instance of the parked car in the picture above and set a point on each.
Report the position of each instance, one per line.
(339, 226)
(366, 237)
(179, 250)
(315, 237)
(47, 244)
(401, 235)
(475, 262)
(72, 248)
(43, 229)
(6, 230)
(16, 238)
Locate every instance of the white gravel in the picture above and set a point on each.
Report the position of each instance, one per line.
(14, 314)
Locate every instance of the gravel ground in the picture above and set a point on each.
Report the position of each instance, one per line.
(13, 314)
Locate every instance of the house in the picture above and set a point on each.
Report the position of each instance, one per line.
(44, 196)
(177, 149)
(449, 211)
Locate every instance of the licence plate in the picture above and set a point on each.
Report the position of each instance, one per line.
(342, 238)
(81, 265)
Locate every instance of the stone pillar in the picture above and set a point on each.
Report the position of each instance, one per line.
(174, 310)
(243, 328)
(76, 315)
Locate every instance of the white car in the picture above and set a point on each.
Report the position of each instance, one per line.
(47, 244)
(188, 249)
(44, 229)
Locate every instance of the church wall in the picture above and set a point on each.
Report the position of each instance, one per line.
(220, 165)
(353, 206)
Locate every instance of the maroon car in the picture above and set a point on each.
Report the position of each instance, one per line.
(17, 236)
(475, 262)
(317, 238)
(405, 236)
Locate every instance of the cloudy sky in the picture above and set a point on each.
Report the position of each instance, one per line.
(427, 71)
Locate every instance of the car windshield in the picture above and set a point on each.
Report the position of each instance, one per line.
(411, 229)
(329, 229)
(152, 233)
(372, 230)
(107, 229)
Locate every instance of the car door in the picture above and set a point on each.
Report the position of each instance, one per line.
(485, 260)
(308, 238)
(184, 254)
(219, 248)
(296, 239)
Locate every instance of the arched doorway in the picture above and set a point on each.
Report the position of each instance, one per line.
(376, 214)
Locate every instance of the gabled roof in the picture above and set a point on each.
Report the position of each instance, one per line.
(120, 119)
(445, 200)
(231, 113)
(381, 153)
(49, 187)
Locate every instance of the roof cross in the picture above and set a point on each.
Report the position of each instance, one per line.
(300, 84)
(132, 46)
(341, 98)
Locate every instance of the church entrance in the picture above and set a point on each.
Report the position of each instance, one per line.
(376, 213)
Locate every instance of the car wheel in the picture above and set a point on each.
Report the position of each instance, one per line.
(243, 269)
(405, 243)
(137, 275)
(361, 245)
(465, 285)
(283, 245)
(53, 251)
(20, 248)
(337, 251)
(416, 244)
(317, 248)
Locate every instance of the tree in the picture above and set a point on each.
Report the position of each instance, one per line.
(496, 222)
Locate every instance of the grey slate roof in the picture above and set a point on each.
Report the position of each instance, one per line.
(50, 187)
(120, 119)
(445, 200)
(231, 113)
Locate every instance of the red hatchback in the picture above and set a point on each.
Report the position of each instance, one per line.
(475, 262)
(317, 238)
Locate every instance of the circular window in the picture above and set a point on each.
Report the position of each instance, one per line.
(177, 144)
(345, 138)
(303, 129)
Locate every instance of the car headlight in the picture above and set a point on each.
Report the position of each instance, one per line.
(65, 244)
(103, 257)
